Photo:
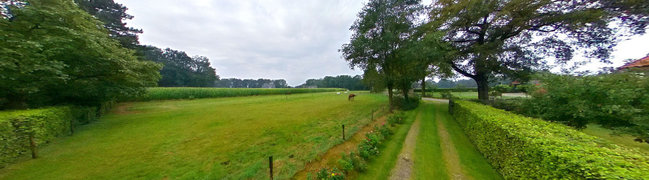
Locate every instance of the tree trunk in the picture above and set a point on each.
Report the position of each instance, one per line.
(16, 102)
(483, 88)
(423, 87)
(405, 95)
(390, 96)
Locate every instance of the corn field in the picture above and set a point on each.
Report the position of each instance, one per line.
(163, 93)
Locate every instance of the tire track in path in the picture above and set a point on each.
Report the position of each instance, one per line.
(404, 167)
(450, 155)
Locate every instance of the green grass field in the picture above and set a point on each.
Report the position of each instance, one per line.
(222, 138)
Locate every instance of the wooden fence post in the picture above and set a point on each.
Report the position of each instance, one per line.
(32, 145)
(270, 165)
(343, 132)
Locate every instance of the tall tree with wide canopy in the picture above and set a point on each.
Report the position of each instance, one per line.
(113, 15)
(53, 52)
(382, 27)
(511, 36)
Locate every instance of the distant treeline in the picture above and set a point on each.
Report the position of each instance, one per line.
(250, 83)
(341, 81)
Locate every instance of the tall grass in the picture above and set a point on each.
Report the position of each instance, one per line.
(164, 93)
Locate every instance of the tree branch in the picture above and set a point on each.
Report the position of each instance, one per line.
(456, 68)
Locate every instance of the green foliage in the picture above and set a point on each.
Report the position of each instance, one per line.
(180, 70)
(54, 53)
(45, 124)
(380, 44)
(396, 118)
(619, 100)
(526, 148)
(497, 37)
(113, 16)
(346, 163)
(190, 93)
(403, 104)
(341, 81)
(334, 174)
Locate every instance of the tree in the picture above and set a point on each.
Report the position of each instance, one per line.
(500, 36)
(54, 53)
(382, 27)
(113, 15)
(340, 81)
(180, 69)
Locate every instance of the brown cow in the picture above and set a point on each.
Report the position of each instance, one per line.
(351, 97)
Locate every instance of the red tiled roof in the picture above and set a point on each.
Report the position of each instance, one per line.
(644, 62)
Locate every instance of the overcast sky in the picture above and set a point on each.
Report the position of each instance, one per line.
(279, 39)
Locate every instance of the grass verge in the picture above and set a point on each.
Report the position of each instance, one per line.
(380, 167)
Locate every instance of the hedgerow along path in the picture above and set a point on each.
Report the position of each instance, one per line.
(221, 138)
(436, 149)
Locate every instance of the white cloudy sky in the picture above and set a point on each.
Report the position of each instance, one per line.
(279, 39)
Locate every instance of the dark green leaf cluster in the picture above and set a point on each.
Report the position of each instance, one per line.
(617, 101)
(515, 37)
(342, 81)
(180, 70)
(53, 53)
(526, 148)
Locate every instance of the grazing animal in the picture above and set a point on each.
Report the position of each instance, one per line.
(638, 140)
(351, 97)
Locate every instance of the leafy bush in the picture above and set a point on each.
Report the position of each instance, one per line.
(396, 118)
(403, 104)
(619, 100)
(44, 124)
(527, 148)
(160, 93)
(334, 174)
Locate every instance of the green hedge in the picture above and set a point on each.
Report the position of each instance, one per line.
(45, 124)
(527, 148)
(164, 93)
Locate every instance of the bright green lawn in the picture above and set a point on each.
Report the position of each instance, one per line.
(620, 139)
(219, 138)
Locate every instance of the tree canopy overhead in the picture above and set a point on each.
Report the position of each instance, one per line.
(513, 36)
(53, 52)
(113, 15)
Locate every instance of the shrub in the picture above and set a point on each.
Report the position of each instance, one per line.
(346, 163)
(396, 118)
(403, 104)
(44, 124)
(334, 174)
(527, 148)
(619, 100)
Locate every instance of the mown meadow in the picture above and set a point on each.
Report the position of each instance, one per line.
(218, 138)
